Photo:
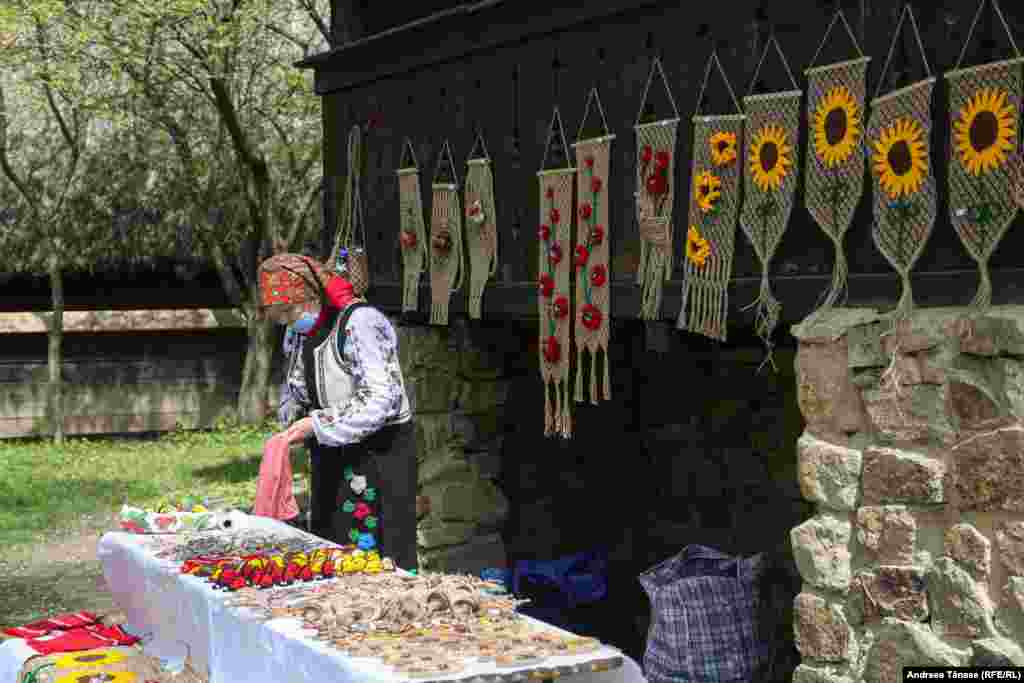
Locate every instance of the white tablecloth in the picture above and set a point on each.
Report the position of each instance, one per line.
(177, 614)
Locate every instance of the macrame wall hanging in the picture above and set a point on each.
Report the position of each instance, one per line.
(555, 274)
(349, 253)
(412, 234)
(714, 205)
(481, 228)
(837, 95)
(446, 260)
(899, 132)
(984, 106)
(590, 255)
(770, 175)
(655, 196)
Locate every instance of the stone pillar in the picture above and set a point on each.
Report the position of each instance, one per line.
(913, 454)
(456, 384)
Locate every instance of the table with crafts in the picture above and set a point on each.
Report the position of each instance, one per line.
(178, 614)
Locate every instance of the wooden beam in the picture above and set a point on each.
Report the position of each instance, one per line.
(178, 320)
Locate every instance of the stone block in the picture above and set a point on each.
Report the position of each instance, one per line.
(829, 474)
(814, 674)
(889, 534)
(467, 498)
(821, 630)
(901, 644)
(830, 403)
(996, 652)
(898, 592)
(450, 466)
(899, 476)
(482, 360)
(960, 606)
(1013, 384)
(969, 406)
(475, 432)
(477, 396)
(433, 390)
(422, 347)
(971, 550)
(1010, 540)
(821, 548)
(909, 413)
(435, 534)
(433, 434)
(472, 557)
(1010, 615)
(987, 469)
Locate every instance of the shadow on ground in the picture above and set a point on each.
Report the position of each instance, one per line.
(56, 588)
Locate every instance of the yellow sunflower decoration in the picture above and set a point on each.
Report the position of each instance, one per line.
(706, 190)
(900, 159)
(97, 676)
(985, 133)
(836, 126)
(697, 247)
(723, 148)
(89, 658)
(770, 157)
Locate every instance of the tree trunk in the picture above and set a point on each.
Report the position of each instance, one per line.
(55, 355)
(253, 401)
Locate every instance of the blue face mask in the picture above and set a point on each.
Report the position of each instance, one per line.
(305, 323)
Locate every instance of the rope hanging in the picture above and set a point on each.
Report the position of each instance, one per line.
(349, 254)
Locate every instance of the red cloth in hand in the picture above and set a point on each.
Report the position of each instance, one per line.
(274, 496)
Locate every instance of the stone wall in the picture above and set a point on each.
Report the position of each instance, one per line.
(914, 456)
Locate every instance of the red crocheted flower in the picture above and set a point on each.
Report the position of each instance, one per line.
(595, 185)
(550, 193)
(657, 184)
(408, 239)
(586, 211)
(544, 233)
(590, 316)
(555, 253)
(589, 161)
(646, 154)
(582, 256)
(596, 235)
(661, 159)
(547, 285)
(552, 349)
(473, 210)
(598, 275)
(555, 216)
(561, 307)
(362, 511)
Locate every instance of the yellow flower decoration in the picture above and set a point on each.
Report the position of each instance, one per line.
(770, 157)
(985, 132)
(97, 676)
(723, 148)
(705, 190)
(89, 658)
(697, 247)
(836, 126)
(900, 159)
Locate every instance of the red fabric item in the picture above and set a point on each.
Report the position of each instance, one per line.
(340, 294)
(81, 638)
(274, 496)
(45, 626)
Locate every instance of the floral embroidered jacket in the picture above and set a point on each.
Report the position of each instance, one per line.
(367, 354)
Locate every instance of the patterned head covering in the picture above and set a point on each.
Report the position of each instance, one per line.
(292, 279)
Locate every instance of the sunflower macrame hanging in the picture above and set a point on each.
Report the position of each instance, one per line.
(446, 260)
(412, 235)
(481, 228)
(655, 196)
(714, 206)
(590, 255)
(773, 120)
(905, 194)
(555, 283)
(985, 151)
(837, 94)
(348, 255)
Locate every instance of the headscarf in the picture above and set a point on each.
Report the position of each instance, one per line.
(297, 279)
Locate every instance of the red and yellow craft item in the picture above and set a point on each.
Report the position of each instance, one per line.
(268, 570)
(287, 279)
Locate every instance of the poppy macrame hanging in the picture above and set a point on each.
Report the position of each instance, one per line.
(984, 154)
(481, 228)
(837, 94)
(412, 234)
(590, 255)
(349, 253)
(770, 175)
(899, 131)
(714, 207)
(446, 260)
(555, 273)
(655, 196)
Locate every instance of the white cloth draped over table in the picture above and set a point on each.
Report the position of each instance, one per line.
(178, 614)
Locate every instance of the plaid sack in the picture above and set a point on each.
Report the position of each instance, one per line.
(704, 618)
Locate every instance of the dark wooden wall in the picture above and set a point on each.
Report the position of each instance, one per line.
(496, 66)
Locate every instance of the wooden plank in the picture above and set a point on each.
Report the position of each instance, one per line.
(128, 372)
(30, 401)
(120, 321)
(13, 427)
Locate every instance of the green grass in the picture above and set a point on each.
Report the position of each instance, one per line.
(44, 487)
